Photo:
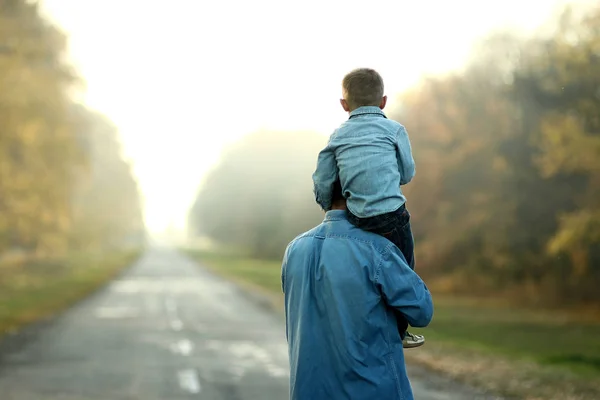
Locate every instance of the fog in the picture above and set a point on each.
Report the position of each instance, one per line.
(156, 159)
(181, 82)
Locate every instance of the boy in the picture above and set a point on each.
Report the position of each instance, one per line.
(371, 156)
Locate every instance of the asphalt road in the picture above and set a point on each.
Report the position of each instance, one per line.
(165, 330)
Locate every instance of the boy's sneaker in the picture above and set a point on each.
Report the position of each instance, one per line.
(411, 340)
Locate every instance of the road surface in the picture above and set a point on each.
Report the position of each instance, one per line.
(164, 330)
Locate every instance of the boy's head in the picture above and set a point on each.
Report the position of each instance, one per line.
(362, 87)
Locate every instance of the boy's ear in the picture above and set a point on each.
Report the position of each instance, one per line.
(383, 102)
(344, 104)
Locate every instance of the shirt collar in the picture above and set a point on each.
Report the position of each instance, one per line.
(336, 215)
(367, 110)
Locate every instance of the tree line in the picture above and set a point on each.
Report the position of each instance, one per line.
(260, 195)
(507, 191)
(64, 183)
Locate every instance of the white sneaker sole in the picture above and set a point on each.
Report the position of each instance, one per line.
(412, 345)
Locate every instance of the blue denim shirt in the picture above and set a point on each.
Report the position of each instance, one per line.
(372, 157)
(340, 286)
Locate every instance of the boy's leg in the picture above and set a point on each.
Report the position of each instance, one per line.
(395, 227)
(401, 235)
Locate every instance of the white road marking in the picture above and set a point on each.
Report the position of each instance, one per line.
(188, 381)
(250, 356)
(117, 312)
(171, 308)
(171, 285)
(207, 291)
(183, 347)
(176, 324)
(171, 305)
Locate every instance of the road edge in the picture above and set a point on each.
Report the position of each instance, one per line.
(13, 340)
(274, 305)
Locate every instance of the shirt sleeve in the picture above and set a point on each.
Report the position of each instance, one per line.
(406, 163)
(284, 264)
(283, 268)
(403, 289)
(324, 177)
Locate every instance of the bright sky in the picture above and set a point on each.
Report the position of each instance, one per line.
(183, 78)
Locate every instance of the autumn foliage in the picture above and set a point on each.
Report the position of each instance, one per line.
(507, 191)
(64, 184)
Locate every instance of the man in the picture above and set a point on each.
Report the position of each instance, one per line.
(342, 286)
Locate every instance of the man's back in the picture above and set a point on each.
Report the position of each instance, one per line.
(373, 157)
(339, 284)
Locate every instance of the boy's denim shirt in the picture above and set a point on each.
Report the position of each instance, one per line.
(371, 155)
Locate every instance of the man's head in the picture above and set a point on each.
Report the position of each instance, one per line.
(338, 201)
(362, 87)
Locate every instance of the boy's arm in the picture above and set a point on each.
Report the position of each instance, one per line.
(406, 163)
(324, 177)
(403, 289)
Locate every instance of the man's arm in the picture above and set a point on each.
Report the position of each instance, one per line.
(284, 263)
(324, 177)
(406, 163)
(403, 289)
(284, 267)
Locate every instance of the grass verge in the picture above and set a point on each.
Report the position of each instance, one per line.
(519, 353)
(39, 289)
(264, 275)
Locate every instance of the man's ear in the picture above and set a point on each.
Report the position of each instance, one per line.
(344, 104)
(383, 102)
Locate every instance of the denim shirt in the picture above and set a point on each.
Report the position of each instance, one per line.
(340, 285)
(372, 157)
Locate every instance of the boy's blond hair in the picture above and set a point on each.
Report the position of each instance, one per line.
(362, 87)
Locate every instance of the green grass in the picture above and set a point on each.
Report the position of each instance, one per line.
(264, 274)
(543, 336)
(38, 289)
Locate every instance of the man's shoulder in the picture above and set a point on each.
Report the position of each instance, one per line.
(343, 232)
(307, 234)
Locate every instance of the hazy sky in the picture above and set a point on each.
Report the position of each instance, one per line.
(183, 78)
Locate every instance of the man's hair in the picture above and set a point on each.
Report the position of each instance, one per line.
(363, 87)
(337, 194)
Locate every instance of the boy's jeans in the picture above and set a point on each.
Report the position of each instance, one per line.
(394, 226)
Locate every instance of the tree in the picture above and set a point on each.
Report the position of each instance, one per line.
(106, 199)
(508, 154)
(38, 153)
(563, 79)
(63, 179)
(259, 196)
(507, 190)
